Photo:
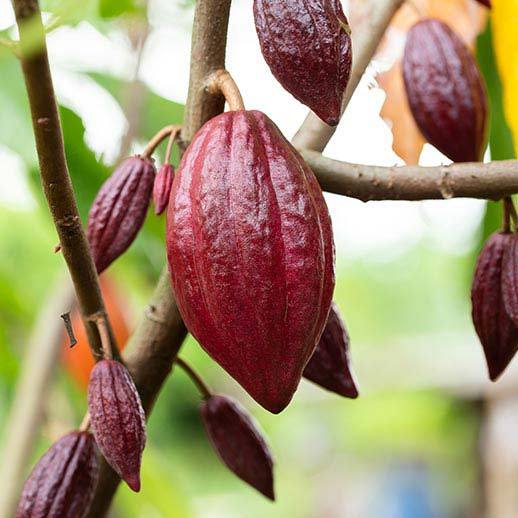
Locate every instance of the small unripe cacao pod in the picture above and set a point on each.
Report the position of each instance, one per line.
(117, 419)
(119, 210)
(510, 278)
(445, 91)
(239, 443)
(330, 366)
(497, 333)
(62, 484)
(307, 45)
(251, 253)
(162, 188)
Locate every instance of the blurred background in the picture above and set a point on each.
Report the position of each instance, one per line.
(429, 436)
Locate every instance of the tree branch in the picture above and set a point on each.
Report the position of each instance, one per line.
(314, 133)
(151, 351)
(54, 171)
(468, 180)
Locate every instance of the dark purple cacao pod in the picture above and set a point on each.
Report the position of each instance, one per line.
(239, 443)
(62, 484)
(445, 91)
(162, 188)
(307, 45)
(510, 278)
(119, 210)
(329, 366)
(487, 3)
(117, 419)
(251, 253)
(497, 333)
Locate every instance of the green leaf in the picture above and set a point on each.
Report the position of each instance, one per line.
(112, 9)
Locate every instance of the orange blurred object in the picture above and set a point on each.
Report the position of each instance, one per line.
(78, 360)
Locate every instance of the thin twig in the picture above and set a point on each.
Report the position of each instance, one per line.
(195, 377)
(509, 215)
(12, 46)
(85, 423)
(222, 82)
(172, 138)
(54, 170)
(102, 325)
(69, 328)
(157, 140)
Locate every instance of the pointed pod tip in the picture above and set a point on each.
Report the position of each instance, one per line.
(133, 482)
(269, 493)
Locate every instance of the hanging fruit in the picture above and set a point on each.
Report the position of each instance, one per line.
(330, 365)
(251, 253)
(307, 46)
(446, 91)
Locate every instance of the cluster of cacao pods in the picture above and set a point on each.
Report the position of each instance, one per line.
(62, 483)
(494, 298)
(251, 256)
(446, 91)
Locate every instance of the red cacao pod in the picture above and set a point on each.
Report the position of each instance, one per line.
(239, 443)
(307, 45)
(62, 484)
(162, 188)
(510, 278)
(119, 210)
(445, 91)
(329, 366)
(497, 333)
(117, 419)
(251, 253)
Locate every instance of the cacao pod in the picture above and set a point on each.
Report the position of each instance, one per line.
(497, 333)
(162, 188)
(62, 483)
(117, 419)
(487, 3)
(251, 253)
(307, 45)
(510, 278)
(445, 91)
(119, 210)
(329, 366)
(239, 443)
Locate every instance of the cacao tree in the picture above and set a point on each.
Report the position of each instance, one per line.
(250, 271)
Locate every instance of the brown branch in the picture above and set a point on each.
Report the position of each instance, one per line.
(151, 351)
(469, 180)
(314, 133)
(54, 171)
